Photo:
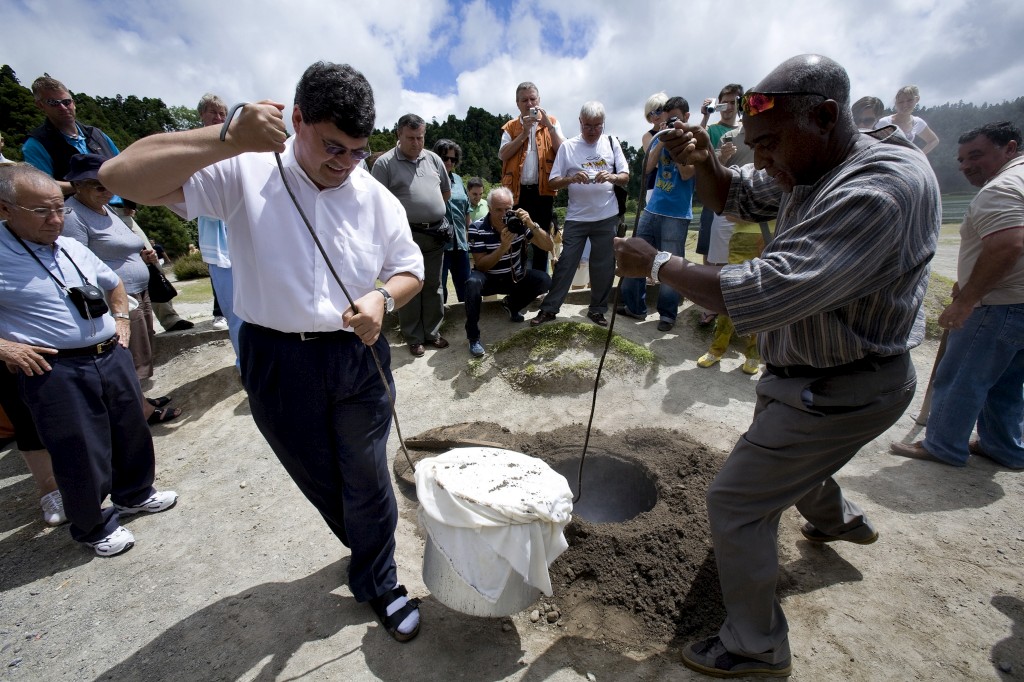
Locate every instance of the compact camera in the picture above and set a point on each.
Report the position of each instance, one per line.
(89, 301)
(671, 122)
(533, 112)
(513, 223)
(713, 107)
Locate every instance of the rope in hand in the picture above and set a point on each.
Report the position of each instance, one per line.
(334, 273)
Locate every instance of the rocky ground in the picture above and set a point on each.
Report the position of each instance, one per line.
(243, 581)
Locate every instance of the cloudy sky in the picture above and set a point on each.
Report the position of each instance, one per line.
(439, 57)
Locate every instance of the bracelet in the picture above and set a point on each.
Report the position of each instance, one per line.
(121, 316)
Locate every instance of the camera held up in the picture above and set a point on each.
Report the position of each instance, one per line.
(714, 106)
(513, 223)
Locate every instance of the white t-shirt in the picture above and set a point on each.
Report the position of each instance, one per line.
(280, 278)
(590, 202)
(916, 126)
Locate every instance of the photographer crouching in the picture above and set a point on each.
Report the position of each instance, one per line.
(497, 243)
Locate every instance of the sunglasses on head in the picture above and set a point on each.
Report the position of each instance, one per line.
(60, 102)
(754, 103)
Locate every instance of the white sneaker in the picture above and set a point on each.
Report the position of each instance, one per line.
(220, 323)
(157, 502)
(53, 508)
(121, 540)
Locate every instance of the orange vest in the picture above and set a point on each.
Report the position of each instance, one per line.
(513, 166)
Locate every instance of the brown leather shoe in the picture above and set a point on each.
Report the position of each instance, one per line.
(812, 534)
(913, 451)
(542, 317)
(974, 447)
(598, 319)
(416, 349)
(440, 342)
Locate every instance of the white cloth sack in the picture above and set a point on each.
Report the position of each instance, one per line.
(494, 511)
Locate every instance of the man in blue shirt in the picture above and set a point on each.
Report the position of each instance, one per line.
(87, 402)
(51, 146)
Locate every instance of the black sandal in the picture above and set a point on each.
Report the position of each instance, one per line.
(159, 402)
(380, 607)
(163, 416)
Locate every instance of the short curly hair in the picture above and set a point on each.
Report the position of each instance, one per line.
(339, 94)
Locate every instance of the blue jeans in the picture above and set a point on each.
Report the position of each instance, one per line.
(665, 234)
(224, 287)
(456, 261)
(980, 380)
(532, 284)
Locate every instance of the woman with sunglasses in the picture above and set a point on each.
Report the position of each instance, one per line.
(93, 223)
(866, 112)
(456, 251)
(912, 126)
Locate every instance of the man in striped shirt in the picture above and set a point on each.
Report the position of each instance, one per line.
(498, 245)
(835, 299)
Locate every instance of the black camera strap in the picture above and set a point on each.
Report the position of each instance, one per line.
(85, 280)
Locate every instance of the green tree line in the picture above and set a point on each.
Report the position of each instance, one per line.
(126, 119)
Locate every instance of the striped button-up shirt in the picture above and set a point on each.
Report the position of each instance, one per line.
(846, 273)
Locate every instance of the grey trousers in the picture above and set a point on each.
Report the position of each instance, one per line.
(421, 317)
(602, 263)
(787, 457)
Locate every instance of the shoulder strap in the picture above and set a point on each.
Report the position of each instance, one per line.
(612, 147)
(46, 269)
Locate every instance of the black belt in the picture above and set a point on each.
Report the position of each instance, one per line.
(870, 363)
(339, 334)
(528, 186)
(95, 349)
(426, 226)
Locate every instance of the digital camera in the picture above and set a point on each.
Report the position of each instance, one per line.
(513, 223)
(713, 107)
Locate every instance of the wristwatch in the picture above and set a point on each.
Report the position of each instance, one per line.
(659, 260)
(389, 302)
(121, 316)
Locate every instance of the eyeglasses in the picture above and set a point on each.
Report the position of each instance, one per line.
(592, 126)
(60, 102)
(338, 150)
(453, 159)
(754, 103)
(43, 213)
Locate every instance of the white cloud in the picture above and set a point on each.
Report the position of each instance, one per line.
(575, 50)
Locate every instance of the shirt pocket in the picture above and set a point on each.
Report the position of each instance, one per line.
(361, 262)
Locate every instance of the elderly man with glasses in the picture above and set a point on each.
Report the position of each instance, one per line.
(835, 301)
(590, 165)
(85, 399)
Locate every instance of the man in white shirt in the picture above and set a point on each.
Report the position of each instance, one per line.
(590, 165)
(305, 348)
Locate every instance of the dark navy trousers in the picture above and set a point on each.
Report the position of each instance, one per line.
(88, 411)
(322, 407)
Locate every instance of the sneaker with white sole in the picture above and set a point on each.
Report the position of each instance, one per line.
(220, 323)
(476, 349)
(53, 508)
(157, 502)
(121, 540)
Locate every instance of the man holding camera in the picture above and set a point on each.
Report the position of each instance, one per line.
(528, 147)
(84, 398)
(498, 244)
(589, 165)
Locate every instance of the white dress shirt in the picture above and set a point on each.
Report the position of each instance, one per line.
(280, 279)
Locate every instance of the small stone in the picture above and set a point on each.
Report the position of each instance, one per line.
(544, 608)
(591, 677)
(243, 484)
(506, 627)
(552, 616)
(1006, 667)
(14, 663)
(534, 616)
(570, 574)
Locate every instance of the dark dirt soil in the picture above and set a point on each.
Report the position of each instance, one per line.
(632, 585)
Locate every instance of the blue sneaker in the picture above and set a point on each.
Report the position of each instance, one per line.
(476, 349)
